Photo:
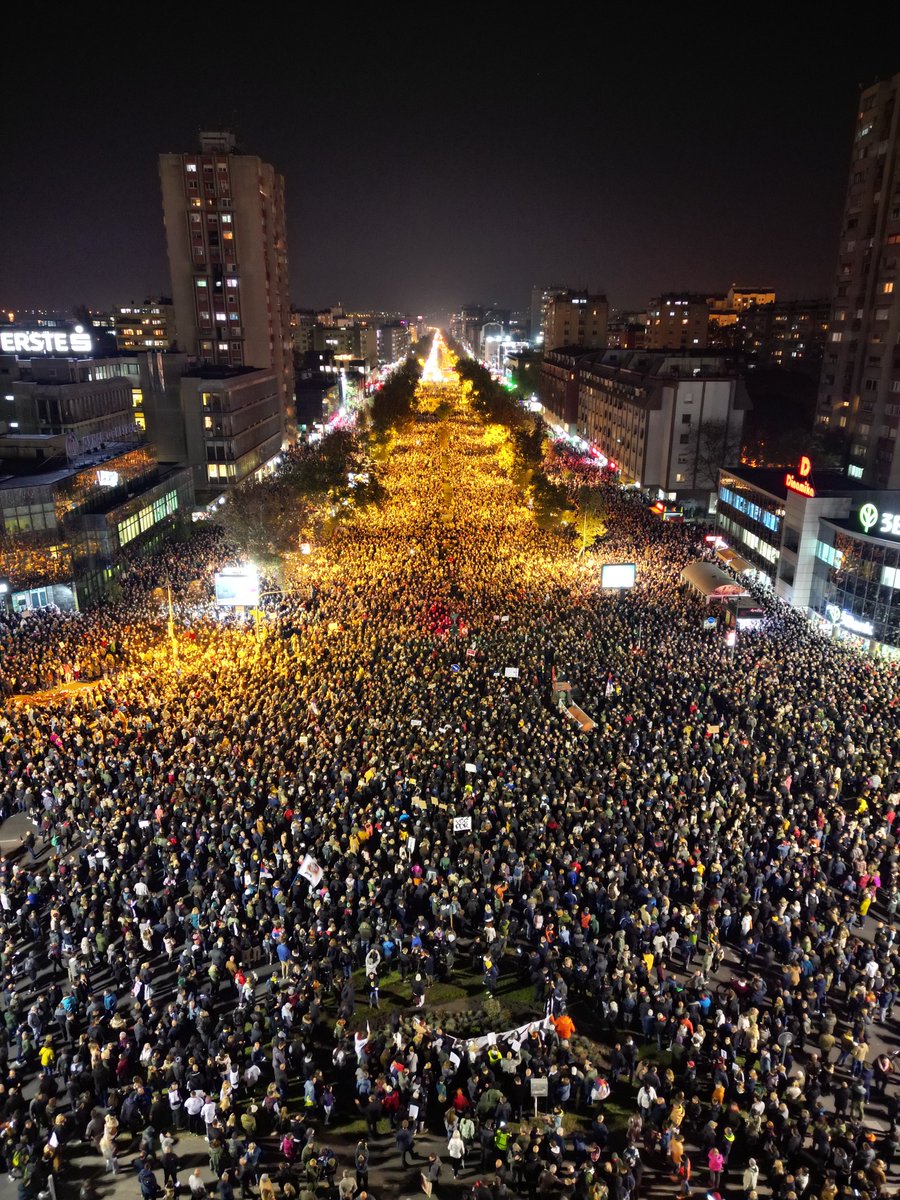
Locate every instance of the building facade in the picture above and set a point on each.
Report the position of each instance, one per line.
(79, 478)
(393, 343)
(677, 321)
(146, 327)
(558, 384)
(786, 333)
(859, 394)
(738, 299)
(576, 319)
(540, 299)
(823, 542)
(66, 528)
(227, 243)
(232, 418)
(667, 421)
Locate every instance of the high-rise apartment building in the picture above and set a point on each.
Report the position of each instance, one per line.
(576, 319)
(785, 333)
(859, 393)
(677, 322)
(225, 227)
(540, 298)
(148, 326)
(232, 425)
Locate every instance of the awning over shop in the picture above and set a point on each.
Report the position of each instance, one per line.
(711, 582)
(733, 560)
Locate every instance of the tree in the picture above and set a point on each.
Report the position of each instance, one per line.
(590, 524)
(492, 403)
(550, 504)
(263, 520)
(716, 444)
(392, 404)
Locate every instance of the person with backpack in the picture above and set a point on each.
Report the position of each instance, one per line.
(150, 1189)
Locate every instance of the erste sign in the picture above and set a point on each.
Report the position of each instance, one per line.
(44, 341)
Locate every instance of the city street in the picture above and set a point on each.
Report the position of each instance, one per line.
(356, 863)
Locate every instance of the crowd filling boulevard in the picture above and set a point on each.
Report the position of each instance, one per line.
(344, 904)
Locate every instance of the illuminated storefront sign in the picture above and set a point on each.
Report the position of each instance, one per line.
(864, 628)
(108, 478)
(887, 522)
(800, 482)
(45, 341)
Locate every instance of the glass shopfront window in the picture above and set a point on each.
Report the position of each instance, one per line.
(865, 582)
(752, 520)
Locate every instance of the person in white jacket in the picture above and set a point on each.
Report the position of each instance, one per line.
(751, 1176)
(457, 1150)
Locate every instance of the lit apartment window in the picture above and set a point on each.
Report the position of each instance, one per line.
(888, 287)
(201, 283)
(190, 167)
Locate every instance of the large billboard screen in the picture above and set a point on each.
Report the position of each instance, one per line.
(617, 575)
(238, 588)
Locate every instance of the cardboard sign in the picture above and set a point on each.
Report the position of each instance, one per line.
(461, 824)
(540, 1087)
(511, 672)
(471, 768)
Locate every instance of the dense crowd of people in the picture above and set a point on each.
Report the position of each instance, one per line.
(233, 856)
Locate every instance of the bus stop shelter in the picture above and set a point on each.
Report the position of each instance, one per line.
(710, 582)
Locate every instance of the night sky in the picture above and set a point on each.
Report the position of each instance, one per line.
(430, 167)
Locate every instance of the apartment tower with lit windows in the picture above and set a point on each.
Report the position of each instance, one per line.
(859, 394)
(224, 215)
